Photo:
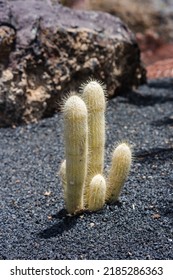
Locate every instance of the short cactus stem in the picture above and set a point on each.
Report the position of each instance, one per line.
(76, 149)
(121, 163)
(97, 193)
(94, 98)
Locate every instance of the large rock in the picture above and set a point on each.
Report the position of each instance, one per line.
(151, 20)
(140, 15)
(46, 50)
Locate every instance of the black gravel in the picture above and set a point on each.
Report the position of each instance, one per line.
(33, 222)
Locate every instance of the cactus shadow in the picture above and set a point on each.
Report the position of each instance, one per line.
(65, 223)
(155, 154)
(166, 210)
(163, 122)
(138, 99)
(160, 83)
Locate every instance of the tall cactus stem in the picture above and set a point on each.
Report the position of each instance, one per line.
(76, 149)
(94, 98)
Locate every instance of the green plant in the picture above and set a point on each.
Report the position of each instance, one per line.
(82, 172)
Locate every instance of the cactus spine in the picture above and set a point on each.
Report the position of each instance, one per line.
(121, 162)
(94, 98)
(76, 148)
(62, 174)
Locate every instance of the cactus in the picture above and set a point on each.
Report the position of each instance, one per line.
(97, 193)
(76, 148)
(82, 171)
(94, 98)
(121, 162)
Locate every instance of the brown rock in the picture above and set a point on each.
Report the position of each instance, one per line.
(153, 48)
(48, 50)
(160, 69)
(156, 216)
(140, 15)
(151, 20)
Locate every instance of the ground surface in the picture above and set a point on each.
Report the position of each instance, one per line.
(33, 224)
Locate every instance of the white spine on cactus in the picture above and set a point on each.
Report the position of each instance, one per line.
(76, 149)
(97, 193)
(62, 173)
(121, 163)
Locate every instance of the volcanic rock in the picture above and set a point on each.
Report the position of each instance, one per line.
(47, 50)
(140, 15)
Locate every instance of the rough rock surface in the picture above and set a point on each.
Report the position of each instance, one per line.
(138, 14)
(46, 50)
(151, 20)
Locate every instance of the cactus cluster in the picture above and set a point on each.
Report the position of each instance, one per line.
(84, 183)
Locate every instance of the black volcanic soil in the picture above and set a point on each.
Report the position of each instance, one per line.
(33, 222)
